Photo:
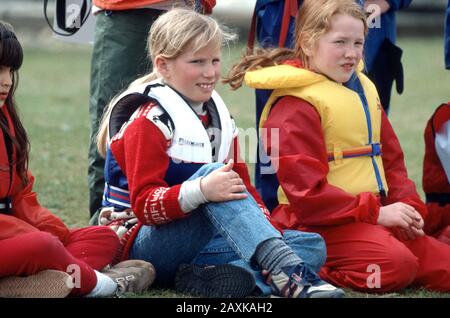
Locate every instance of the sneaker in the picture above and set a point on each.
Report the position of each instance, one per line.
(45, 284)
(300, 282)
(220, 281)
(132, 276)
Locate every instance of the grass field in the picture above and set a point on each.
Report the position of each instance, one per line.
(53, 98)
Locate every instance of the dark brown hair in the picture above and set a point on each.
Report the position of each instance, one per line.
(11, 55)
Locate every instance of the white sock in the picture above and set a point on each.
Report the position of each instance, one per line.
(105, 286)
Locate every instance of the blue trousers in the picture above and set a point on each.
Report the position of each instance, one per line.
(219, 233)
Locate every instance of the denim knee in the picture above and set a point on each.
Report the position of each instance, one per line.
(208, 168)
(320, 255)
(310, 247)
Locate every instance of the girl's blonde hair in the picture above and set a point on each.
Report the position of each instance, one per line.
(171, 35)
(313, 20)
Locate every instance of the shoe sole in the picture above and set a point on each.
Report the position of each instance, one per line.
(221, 281)
(45, 284)
(146, 281)
(338, 293)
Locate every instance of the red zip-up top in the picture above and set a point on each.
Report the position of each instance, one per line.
(27, 214)
(303, 168)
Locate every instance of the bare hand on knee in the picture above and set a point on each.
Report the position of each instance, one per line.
(403, 216)
(223, 184)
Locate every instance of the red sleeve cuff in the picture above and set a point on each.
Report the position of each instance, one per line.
(370, 208)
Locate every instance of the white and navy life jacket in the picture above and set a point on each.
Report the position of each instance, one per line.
(190, 145)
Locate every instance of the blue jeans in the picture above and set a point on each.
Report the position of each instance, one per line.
(218, 233)
(310, 247)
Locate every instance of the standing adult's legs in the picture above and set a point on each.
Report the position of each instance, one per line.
(119, 57)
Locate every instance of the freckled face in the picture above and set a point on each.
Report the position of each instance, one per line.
(336, 54)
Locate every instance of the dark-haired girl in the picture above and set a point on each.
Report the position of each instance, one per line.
(38, 251)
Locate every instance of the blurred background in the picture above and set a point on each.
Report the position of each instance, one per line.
(423, 17)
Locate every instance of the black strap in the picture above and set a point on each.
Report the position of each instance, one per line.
(127, 105)
(124, 109)
(441, 198)
(9, 150)
(6, 205)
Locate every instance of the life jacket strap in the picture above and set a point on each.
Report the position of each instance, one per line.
(441, 198)
(6, 205)
(374, 149)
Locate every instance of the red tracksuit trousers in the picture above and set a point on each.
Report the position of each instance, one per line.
(87, 249)
(369, 258)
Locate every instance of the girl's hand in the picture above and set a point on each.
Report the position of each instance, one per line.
(410, 234)
(401, 215)
(223, 184)
(416, 229)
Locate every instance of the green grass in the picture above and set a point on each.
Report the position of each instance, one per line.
(426, 87)
(53, 99)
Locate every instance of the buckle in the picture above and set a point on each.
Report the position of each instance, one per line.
(6, 205)
(376, 149)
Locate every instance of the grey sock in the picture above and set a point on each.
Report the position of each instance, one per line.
(273, 254)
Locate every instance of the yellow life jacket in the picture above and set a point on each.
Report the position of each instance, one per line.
(351, 127)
